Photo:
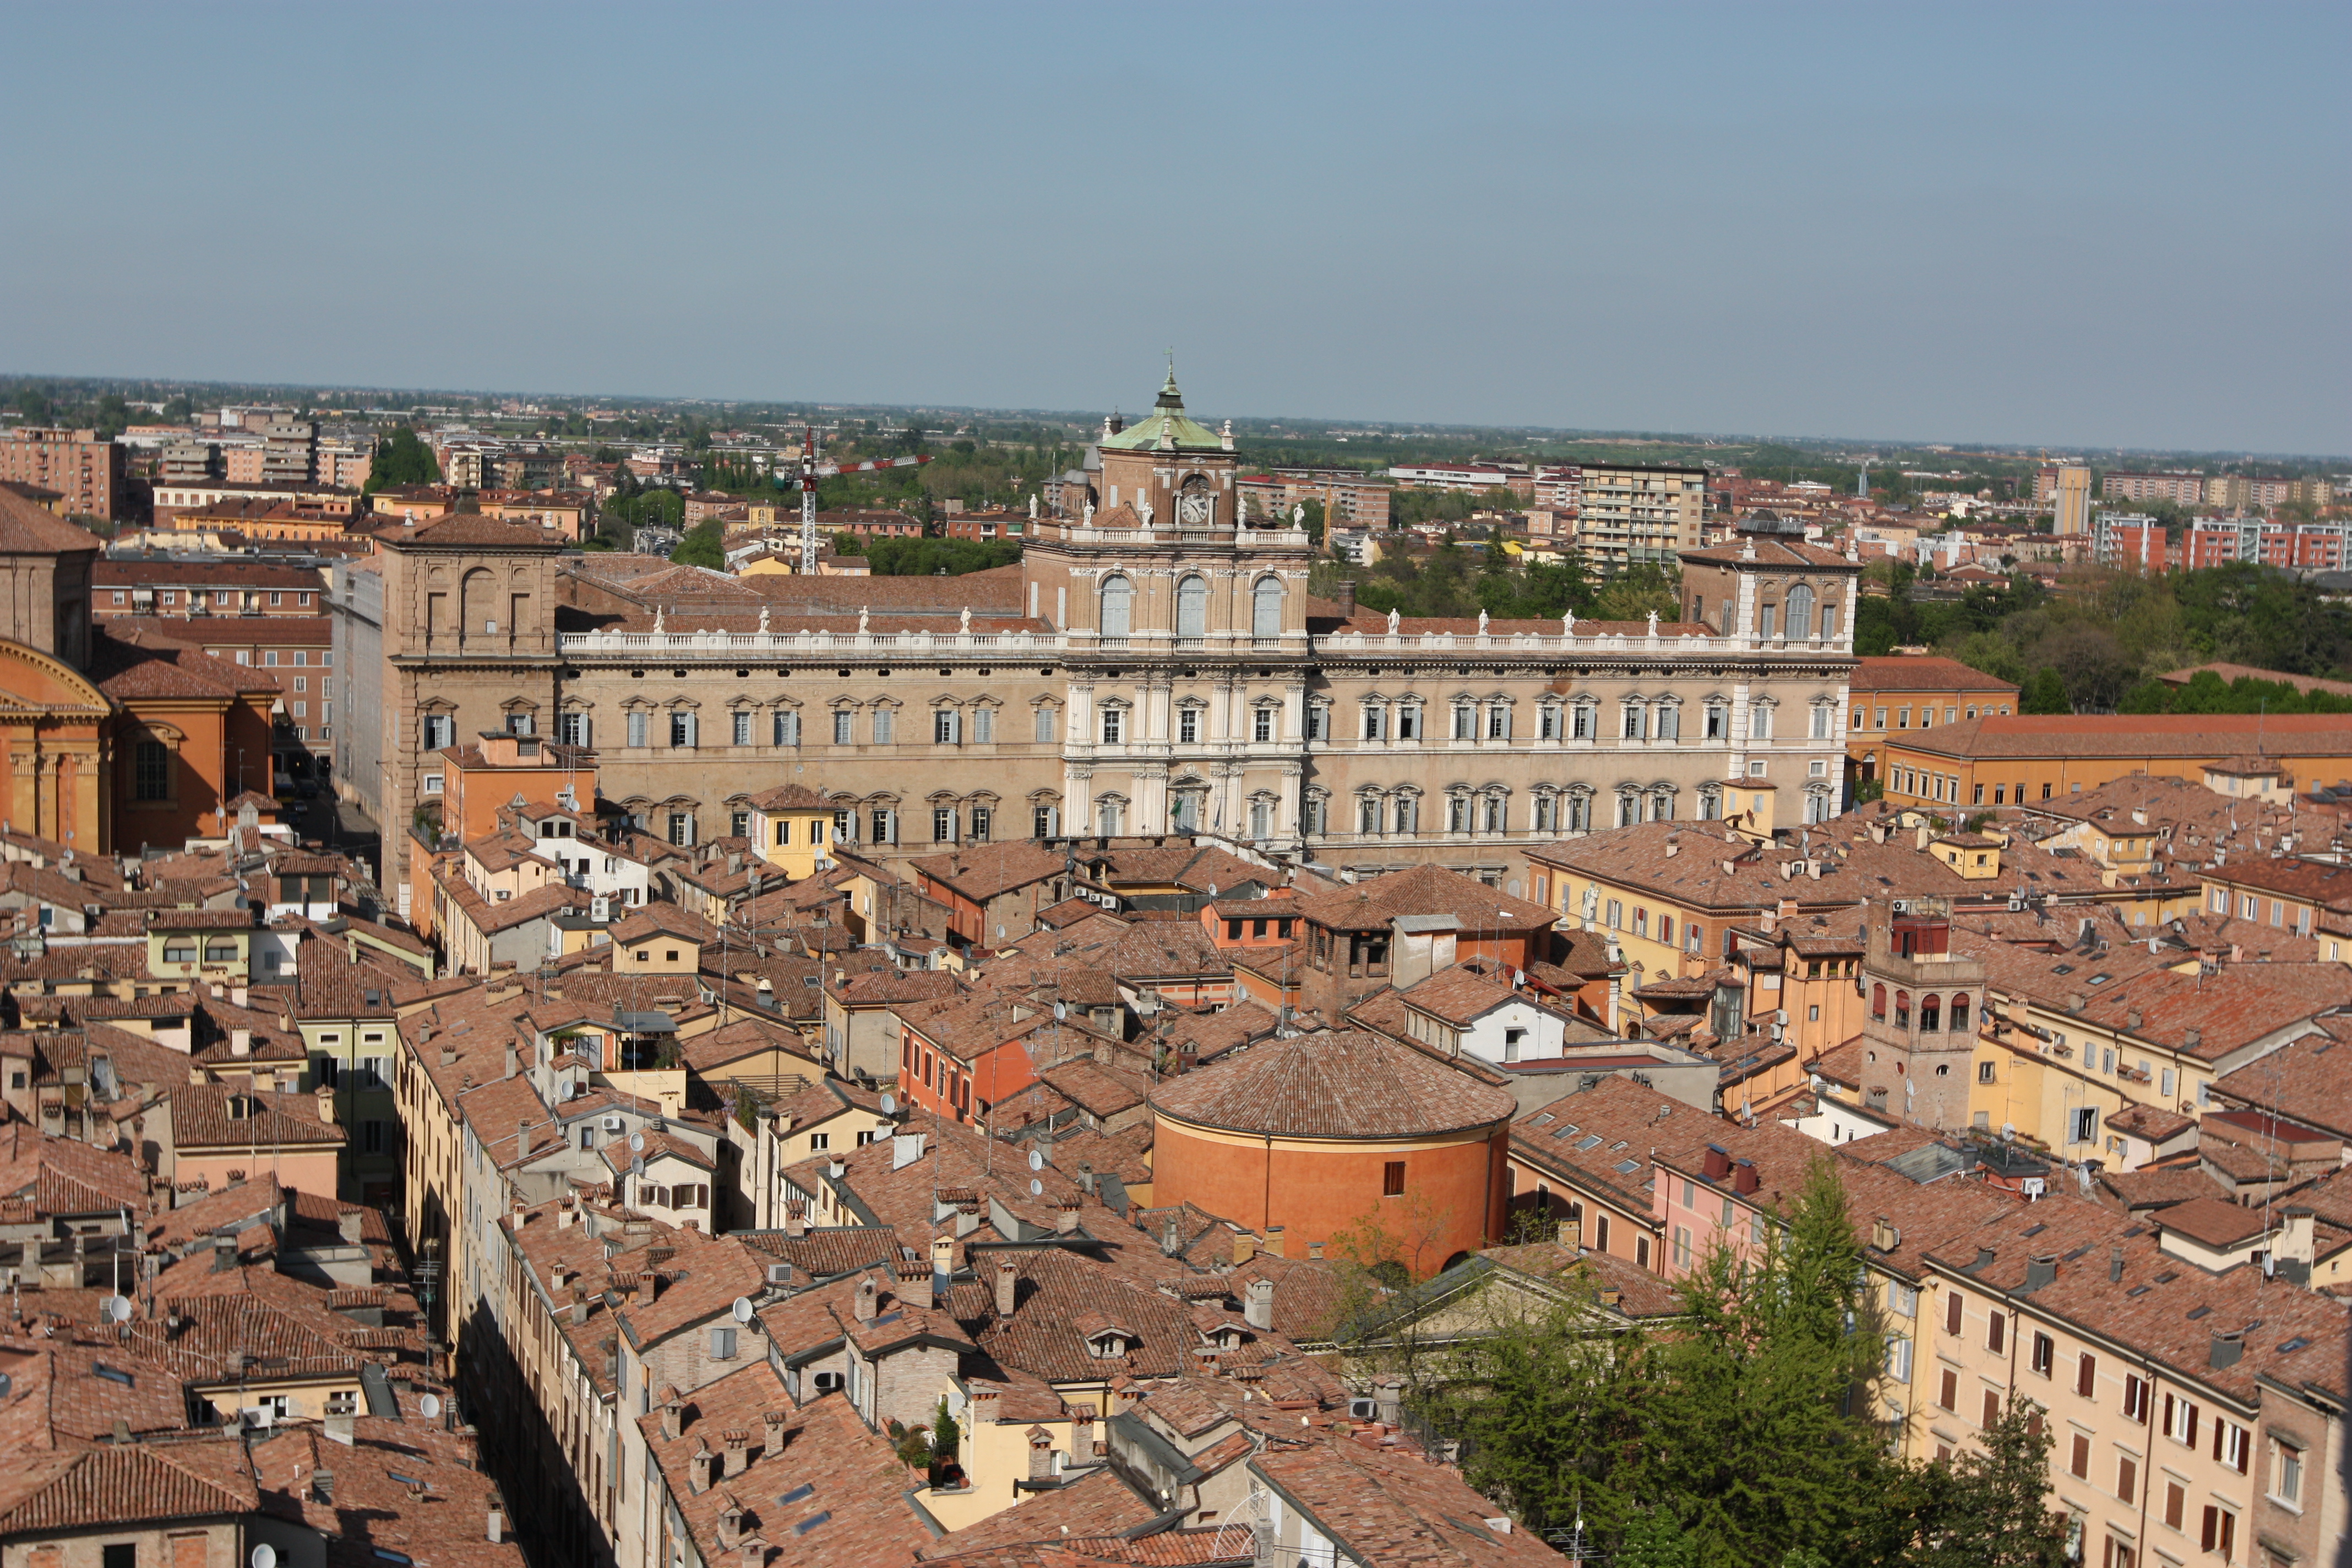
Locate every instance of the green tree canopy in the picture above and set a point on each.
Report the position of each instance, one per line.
(401, 460)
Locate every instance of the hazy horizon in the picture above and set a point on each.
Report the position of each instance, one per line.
(2081, 228)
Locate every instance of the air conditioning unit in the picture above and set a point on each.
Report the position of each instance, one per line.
(1363, 1409)
(612, 1125)
(780, 1273)
(1902, 906)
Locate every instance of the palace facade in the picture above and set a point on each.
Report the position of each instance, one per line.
(1154, 664)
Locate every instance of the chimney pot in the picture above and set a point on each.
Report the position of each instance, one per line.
(1571, 1235)
(1005, 1280)
(1258, 1305)
(914, 1284)
(864, 1303)
(1275, 1241)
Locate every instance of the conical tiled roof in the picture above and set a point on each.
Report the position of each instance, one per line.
(1333, 1084)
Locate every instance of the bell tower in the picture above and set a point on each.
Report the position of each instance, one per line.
(1186, 632)
(1921, 1009)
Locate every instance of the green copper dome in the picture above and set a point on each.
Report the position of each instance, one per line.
(1167, 419)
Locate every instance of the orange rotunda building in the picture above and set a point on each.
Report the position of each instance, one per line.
(1340, 1135)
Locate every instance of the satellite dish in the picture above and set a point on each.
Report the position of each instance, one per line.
(264, 1556)
(889, 1105)
(1035, 1186)
(118, 1309)
(637, 1142)
(429, 1406)
(1036, 1159)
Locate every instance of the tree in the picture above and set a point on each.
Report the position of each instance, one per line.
(1638, 591)
(703, 545)
(2044, 693)
(401, 460)
(1751, 1437)
(1994, 1510)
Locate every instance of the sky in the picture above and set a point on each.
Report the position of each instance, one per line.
(2048, 225)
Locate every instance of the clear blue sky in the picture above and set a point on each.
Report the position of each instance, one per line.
(2052, 224)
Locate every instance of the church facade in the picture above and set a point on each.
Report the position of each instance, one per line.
(1154, 664)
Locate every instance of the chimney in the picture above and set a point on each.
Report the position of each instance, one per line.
(1244, 1249)
(796, 1217)
(1611, 1295)
(1717, 1163)
(914, 1284)
(351, 1225)
(731, 1522)
(698, 1468)
(1883, 1235)
(1005, 1279)
(522, 1138)
(1388, 1401)
(1066, 1217)
(2192, 1038)
(1273, 1241)
(739, 1451)
(1085, 1446)
(1258, 1305)
(2115, 1266)
(1744, 1178)
(1571, 1235)
(2226, 1348)
(1171, 1237)
(240, 1042)
(864, 1304)
(496, 1530)
(1314, 1250)
(1040, 1454)
(224, 1253)
(327, 1105)
(2041, 1269)
(511, 1059)
(672, 1421)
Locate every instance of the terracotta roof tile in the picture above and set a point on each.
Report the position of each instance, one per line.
(1331, 1084)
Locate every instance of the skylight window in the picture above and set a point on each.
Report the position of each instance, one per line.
(1590, 1141)
(798, 1494)
(810, 1522)
(1627, 1167)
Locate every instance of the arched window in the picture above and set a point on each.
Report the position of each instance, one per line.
(1960, 1012)
(1265, 608)
(1903, 1009)
(1931, 1015)
(1801, 612)
(1117, 601)
(1878, 1001)
(1193, 607)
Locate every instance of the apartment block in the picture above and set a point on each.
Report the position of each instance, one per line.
(2131, 540)
(1350, 499)
(2187, 489)
(87, 470)
(1560, 489)
(2197, 1411)
(2309, 546)
(1473, 477)
(2069, 499)
(1634, 515)
(288, 452)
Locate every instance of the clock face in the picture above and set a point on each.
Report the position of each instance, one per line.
(1194, 506)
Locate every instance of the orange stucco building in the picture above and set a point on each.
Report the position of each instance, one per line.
(1339, 1140)
(111, 738)
(2026, 758)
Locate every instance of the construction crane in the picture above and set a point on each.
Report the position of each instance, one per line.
(812, 470)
